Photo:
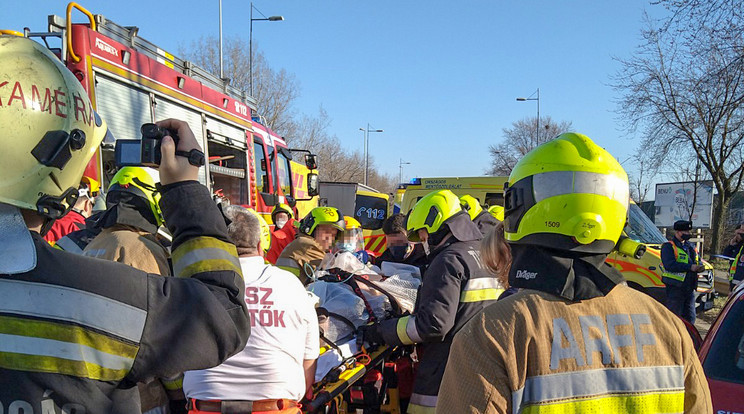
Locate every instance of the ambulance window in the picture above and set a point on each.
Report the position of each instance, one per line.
(725, 359)
(640, 228)
(283, 170)
(262, 180)
(371, 212)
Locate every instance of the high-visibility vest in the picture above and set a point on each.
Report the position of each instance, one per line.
(682, 257)
(732, 269)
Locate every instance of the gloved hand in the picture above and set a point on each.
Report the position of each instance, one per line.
(369, 334)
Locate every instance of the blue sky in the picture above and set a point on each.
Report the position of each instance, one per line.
(439, 77)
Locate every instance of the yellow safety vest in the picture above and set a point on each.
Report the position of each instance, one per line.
(682, 257)
(732, 269)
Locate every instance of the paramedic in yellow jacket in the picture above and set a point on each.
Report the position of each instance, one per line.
(575, 338)
(317, 234)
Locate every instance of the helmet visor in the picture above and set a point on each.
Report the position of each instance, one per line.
(351, 240)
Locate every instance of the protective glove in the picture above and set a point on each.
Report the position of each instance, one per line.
(369, 334)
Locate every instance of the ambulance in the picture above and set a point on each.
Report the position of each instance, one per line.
(642, 271)
(365, 204)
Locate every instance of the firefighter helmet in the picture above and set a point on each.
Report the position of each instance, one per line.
(497, 211)
(50, 130)
(352, 238)
(281, 208)
(471, 205)
(431, 213)
(321, 215)
(139, 181)
(567, 194)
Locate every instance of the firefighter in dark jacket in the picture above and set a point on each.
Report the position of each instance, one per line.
(456, 286)
(679, 271)
(481, 217)
(77, 330)
(398, 248)
(734, 249)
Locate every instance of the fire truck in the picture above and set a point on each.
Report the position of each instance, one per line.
(132, 81)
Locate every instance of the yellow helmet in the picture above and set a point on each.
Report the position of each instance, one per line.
(281, 208)
(265, 230)
(471, 205)
(139, 181)
(497, 211)
(352, 238)
(93, 185)
(321, 215)
(567, 194)
(431, 212)
(50, 130)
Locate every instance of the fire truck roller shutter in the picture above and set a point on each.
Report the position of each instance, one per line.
(165, 108)
(125, 108)
(227, 134)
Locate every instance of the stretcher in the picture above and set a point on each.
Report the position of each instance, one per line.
(335, 393)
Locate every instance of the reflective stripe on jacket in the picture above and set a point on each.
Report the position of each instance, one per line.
(456, 287)
(533, 352)
(676, 260)
(75, 330)
(680, 256)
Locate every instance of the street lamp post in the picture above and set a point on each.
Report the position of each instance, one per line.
(530, 98)
(400, 173)
(250, 39)
(366, 150)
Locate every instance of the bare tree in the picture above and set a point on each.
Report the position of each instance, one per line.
(685, 89)
(520, 139)
(275, 91)
(642, 178)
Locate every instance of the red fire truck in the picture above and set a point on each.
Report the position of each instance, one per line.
(131, 81)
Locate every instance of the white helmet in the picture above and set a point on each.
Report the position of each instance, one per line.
(50, 130)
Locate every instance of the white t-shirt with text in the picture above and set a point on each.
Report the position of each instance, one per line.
(284, 332)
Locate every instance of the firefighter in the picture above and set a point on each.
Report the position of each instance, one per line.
(281, 214)
(131, 221)
(456, 287)
(317, 234)
(734, 249)
(679, 269)
(285, 231)
(497, 211)
(75, 219)
(482, 218)
(77, 330)
(575, 338)
(127, 235)
(398, 248)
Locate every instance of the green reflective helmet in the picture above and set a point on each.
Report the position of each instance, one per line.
(322, 215)
(567, 194)
(431, 212)
(281, 208)
(471, 205)
(139, 181)
(497, 212)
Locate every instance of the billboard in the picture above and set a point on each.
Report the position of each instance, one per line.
(675, 201)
